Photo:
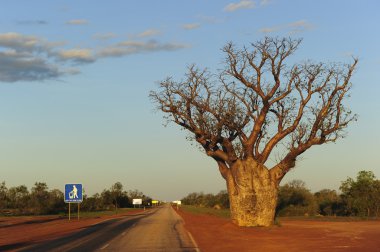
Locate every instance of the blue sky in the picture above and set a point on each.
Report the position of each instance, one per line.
(75, 78)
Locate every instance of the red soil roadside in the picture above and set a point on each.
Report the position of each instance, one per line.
(218, 234)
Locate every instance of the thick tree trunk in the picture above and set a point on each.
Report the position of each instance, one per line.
(252, 193)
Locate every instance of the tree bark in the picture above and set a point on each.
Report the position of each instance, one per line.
(253, 194)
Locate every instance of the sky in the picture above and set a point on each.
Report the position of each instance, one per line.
(75, 78)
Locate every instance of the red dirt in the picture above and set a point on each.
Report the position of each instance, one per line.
(17, 232)
(218, 234)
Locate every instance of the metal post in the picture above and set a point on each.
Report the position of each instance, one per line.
(78, 210)
(69, 209)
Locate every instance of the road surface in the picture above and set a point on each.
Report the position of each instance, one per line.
(158, 229)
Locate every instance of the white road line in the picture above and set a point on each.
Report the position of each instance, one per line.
(105, 246)
(193, 241)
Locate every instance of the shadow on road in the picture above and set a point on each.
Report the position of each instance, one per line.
(88, 239)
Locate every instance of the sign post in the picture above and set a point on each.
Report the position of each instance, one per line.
(73, 194)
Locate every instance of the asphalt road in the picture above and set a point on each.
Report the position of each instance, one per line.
(158, 229)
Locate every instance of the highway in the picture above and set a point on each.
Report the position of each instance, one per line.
(157, 229)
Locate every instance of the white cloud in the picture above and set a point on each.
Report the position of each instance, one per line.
(77, 22)
(300, 26)
(131, 43)
(243, 4)
(269, 29)
(32, 58)
(21, 42)
(28, 58)
(134, 47)
(290, 28)
(148, 33)
(23, 66)
(191, 26)
(76, 55)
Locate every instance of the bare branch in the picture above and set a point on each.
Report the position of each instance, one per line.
(258, 103)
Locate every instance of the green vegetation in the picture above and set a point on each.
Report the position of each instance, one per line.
(359, 199)
(362, 197)
(218, 201)
(224, 213)
(96, 214)
(40, 200)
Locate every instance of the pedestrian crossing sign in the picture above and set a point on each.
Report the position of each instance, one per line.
(73, 193)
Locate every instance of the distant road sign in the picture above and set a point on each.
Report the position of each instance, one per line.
(73, 193)
(137, 201)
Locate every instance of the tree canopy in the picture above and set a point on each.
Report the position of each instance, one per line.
(258, 102)
(362, 195)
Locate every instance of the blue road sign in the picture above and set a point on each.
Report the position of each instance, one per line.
(73, 193)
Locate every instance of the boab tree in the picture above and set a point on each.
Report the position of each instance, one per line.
(255, 107)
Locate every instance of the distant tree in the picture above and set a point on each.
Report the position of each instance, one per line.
(295, 200)
(147, 200)
(56, 202)
(19, 197)
(222, 199)
(18, 200)
(107, 199)
(93, 203)
(329, 202)
(39, 198)
(116, 193)
(362, 195)
(136, 194)
(207, 200)
(190, 199)
(3, 195)
(376, 198)
(241, 115)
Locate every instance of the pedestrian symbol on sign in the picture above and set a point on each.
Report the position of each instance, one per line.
(74, 193)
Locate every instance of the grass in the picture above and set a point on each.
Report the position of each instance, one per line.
(97, 214)
(223, 213)
(74, 212)
(329, 218)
